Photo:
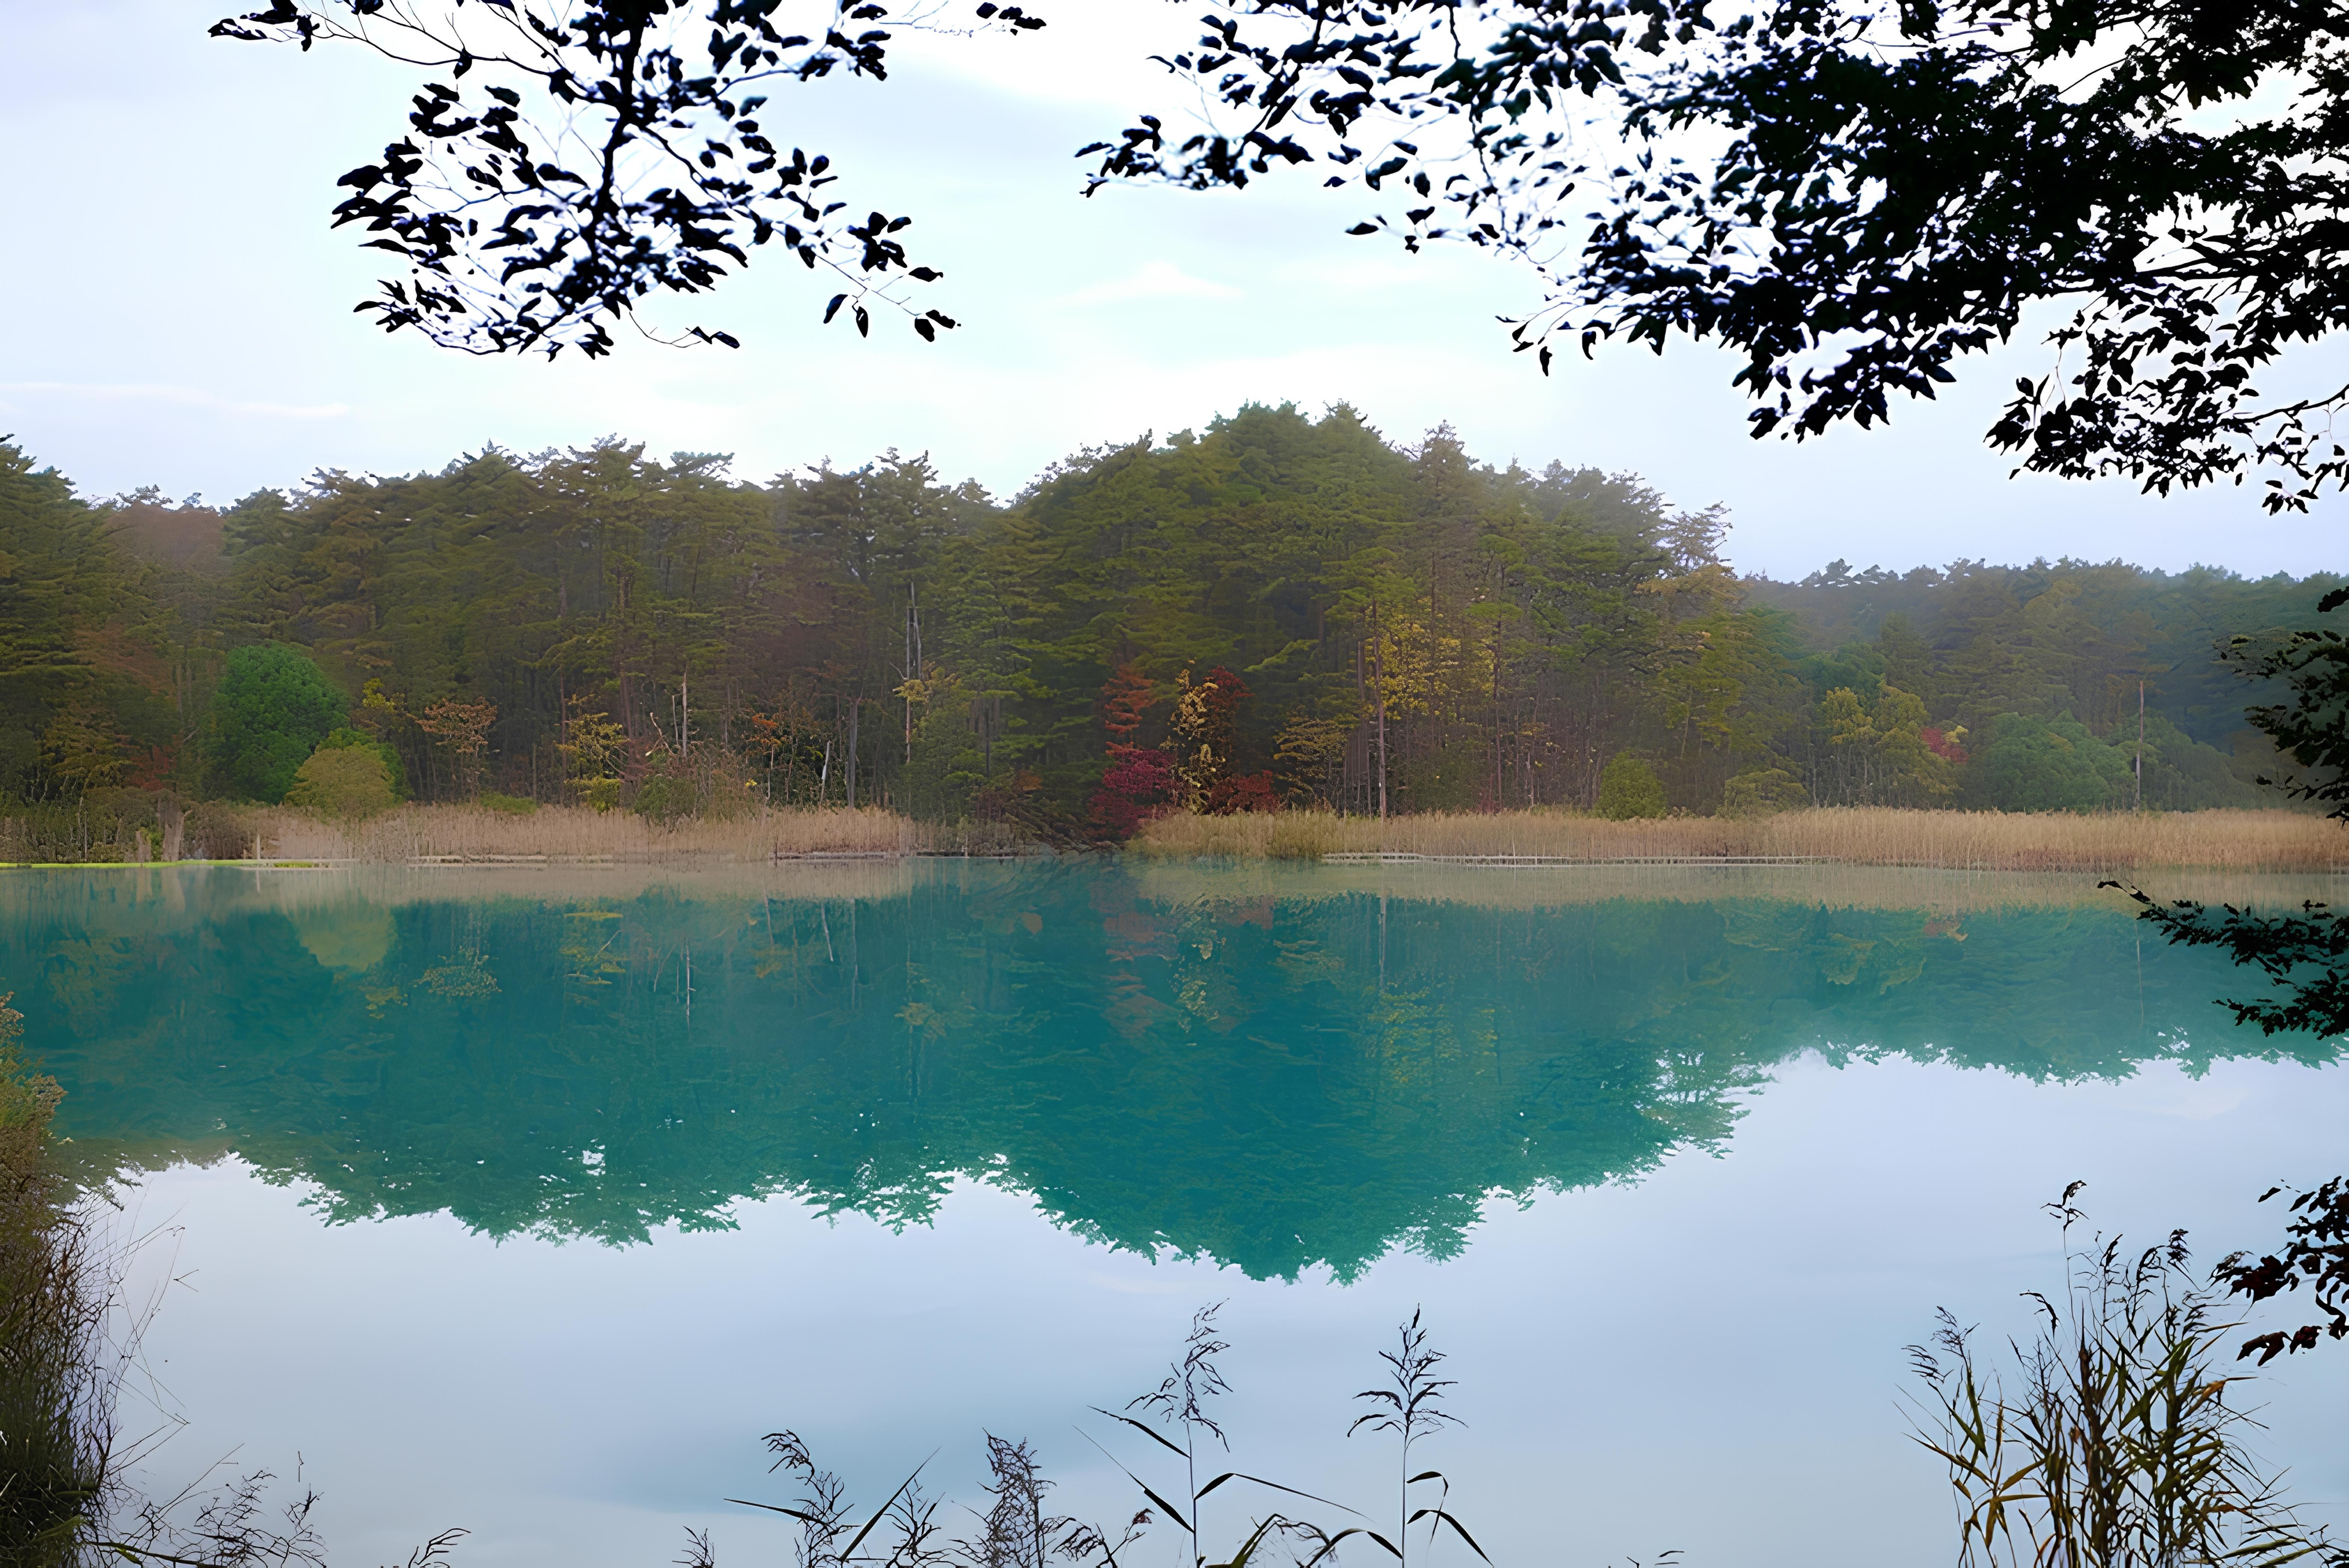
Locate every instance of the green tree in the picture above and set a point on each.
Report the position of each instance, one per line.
(70, 614)
(1629, 788)
(272, 707)
(2025, 764)
(1879, 752)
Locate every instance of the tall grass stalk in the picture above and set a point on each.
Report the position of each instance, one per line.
(1018, 1531)
(2116, 1445)
(1180, 1402)
(1410, 1407)
(1878, 836)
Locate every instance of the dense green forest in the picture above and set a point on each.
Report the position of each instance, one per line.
(1279, 610)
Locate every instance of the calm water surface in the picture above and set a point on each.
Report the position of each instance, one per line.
(528, 1200)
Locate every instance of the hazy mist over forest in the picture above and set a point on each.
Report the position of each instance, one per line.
(1322, 608)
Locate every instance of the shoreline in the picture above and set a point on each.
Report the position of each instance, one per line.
(422, 837)
(2224, 840)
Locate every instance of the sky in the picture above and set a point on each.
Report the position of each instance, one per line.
(181, 314)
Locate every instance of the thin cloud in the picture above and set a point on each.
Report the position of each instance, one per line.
(183, 397)
(1156, 280)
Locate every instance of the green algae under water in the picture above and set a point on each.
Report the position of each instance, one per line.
(1274, 1071)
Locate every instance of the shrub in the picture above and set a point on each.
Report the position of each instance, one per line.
(1014, 801)
(102, 826)
(1761, 792)
(511, 805)
(1629, 788)
(604, 794)
(272, 709)
(664, 798)
(344, 781)
(1242, 792)
(393, 767)
(217, 832)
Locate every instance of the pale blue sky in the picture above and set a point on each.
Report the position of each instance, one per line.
(181, 314)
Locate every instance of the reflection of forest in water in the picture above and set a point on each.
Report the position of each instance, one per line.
(1292, 1070)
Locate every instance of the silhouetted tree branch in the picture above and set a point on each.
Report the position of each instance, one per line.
(1853, 195)
(2317, 1252)
(602, 153)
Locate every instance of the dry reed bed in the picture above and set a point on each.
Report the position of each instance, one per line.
(1972, 840)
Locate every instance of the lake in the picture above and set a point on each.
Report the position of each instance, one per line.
(527, 1199)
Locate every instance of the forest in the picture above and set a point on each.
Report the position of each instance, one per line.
(1279, 611)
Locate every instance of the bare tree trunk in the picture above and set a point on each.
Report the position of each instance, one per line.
(2137, 790)
(1496, 718)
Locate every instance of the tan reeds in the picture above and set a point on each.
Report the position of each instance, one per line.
(2270, 841)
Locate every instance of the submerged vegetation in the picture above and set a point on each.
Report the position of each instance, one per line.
(512, 830)
(1286, 1069)
(1867, 836)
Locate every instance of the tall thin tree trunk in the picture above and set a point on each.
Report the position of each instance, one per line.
(1378, 673)
(1496, 719)
(855, 707)
(2136, 793)
(913, 666)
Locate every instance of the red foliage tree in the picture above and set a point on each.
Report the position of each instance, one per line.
(1242, 792)
(1125, 696)
(1138, 785)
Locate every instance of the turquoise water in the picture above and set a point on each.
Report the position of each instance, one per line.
(528, 1200)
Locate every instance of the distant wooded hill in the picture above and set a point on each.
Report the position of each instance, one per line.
(1364, 612)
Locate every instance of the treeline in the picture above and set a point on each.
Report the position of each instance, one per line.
(1280, 609)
